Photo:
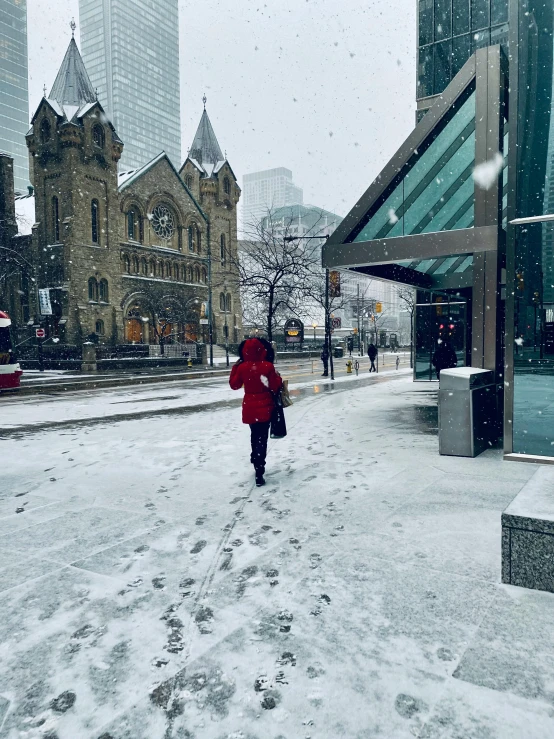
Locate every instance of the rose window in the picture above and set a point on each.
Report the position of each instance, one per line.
(162, 222)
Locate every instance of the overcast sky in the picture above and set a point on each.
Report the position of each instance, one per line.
(323, 87)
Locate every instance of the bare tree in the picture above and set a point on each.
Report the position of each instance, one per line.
(274, 269)
(407, 296)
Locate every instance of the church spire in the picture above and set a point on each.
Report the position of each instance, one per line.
(205, 148)
(72, 85)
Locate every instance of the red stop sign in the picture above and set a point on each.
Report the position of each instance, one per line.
(40, 333)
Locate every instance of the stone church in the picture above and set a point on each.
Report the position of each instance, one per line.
(128, 256)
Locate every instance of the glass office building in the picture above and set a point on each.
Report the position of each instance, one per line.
(14, 87)
(449, 32)
(131, 52)
(529, 419)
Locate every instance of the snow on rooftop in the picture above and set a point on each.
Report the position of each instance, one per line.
(124, 176)
(25, 214)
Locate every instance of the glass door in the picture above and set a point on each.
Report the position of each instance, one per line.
(440, 337)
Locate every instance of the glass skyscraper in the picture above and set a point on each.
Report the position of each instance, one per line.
(131, 52)
(449, 32)
(14, 87)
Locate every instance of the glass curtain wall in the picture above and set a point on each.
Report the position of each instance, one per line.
(533, 303)
(449, 33)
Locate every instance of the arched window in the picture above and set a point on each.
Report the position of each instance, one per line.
(189, 181)
(226, 186)
(169, 270)
(152, 268)
(228, 302)
(104, 293)
(134, 226)
(56, 220)
(191, 231)
(98, 136)
(222, 301)
(99, 328)
(198, 240)
(135, 265)
(183, 273)
(126, 264)
(190, 274)
(204, 275)
(161, 271)
(144, 266)
(95, 222)
(93, 290)
(196, 274)
(223, 249)
(45, 131)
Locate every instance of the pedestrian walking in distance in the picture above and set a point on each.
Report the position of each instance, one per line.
(372, 354)
(256, 373)
(325, 360)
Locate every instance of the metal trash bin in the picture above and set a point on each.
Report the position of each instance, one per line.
(338, 352)
(467, 411)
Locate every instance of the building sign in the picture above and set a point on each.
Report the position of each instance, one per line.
(294, 331)
(334, 284)
(44, 302)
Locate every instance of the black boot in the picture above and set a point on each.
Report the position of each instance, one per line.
(260, 476)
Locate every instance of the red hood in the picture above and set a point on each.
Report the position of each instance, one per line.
(254, 351)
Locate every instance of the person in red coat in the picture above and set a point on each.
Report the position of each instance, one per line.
(260, 380)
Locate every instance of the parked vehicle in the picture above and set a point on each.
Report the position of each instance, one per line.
(10, 371)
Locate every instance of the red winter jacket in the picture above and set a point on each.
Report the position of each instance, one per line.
(260, 381)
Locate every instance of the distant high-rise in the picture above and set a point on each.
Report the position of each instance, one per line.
(14, 87)
(131, 52)
(267, 191)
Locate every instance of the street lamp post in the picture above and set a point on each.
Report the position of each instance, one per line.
(226, 325)
(314, 325)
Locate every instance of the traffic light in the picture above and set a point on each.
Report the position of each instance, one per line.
(520, 281)
(378, 307)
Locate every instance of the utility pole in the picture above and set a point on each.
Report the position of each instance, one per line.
(358, 318)
(226, 327)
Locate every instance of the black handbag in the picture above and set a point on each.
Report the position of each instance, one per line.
(278, 428)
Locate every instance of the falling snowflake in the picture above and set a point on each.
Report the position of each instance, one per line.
(393, 218)
(264, 380)
(486, 174)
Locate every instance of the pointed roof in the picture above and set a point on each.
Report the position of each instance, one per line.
(205, 148)
(72, 85)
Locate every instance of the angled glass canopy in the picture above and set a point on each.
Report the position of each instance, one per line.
(427, 215)
(435, 191)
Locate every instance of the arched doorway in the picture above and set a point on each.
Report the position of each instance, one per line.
(138, 320)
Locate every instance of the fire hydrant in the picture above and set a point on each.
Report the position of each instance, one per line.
(356, 367)
(349, 367)
(189, 363)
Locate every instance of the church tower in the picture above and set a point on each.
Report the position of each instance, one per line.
(73, 151)
(208, 175)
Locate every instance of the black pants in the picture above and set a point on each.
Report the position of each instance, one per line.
(372, 368)
(325, 366)
(259, 433)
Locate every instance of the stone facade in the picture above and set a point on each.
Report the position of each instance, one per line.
(127, 256)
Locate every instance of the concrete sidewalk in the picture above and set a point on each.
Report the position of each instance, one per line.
(149, 591)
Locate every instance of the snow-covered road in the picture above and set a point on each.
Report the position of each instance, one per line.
(149, 591)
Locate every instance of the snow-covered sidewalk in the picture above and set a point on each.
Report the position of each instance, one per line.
(149, 591)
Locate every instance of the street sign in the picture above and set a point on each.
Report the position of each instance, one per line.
(336, 323)
(294, 331)
(44, 302)
(40, 333)
(204, 322)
